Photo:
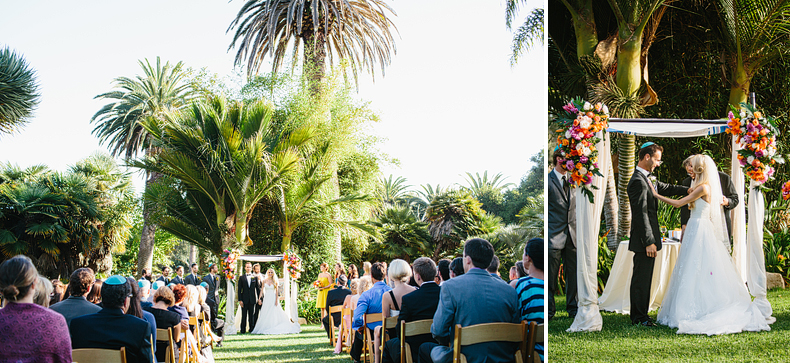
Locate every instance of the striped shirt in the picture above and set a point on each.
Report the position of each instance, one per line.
(531, 302)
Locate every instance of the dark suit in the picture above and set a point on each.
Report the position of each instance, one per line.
(248, 295)
(727, 190)
(178, 280)
(472, 298)
(192, 279)
(334, 297)
(416, 305)
(166, 280)
(112, 329)
(644, 232)
(562, 242)
(212, 298)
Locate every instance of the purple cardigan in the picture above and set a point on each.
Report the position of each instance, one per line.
(31, 333)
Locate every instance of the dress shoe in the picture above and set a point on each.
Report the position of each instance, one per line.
(646, 323)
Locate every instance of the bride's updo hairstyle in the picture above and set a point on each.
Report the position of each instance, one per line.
(700, 177)
(17, 276)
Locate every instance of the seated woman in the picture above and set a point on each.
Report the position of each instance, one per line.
(399, 273)
(349, 303)
(94, 295)
(44, 292)
(136, 310)
(41, 334)
(217, 324)
(165, 319)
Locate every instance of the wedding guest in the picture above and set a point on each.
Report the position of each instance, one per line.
(58, 292)
(530, 288)
(493, 268)
(399, 273)
(456, 267)
(323, 283)
(165, 276)
(335, 297)
(44, 292)
(29, 332)
(368, 303)
(111, 328)
(366, 268)
(148, 275)
(193, 278)
(339, 270)
(217, 324)
(443, 271)
(179, 294)
(417, 305)
(212, 283)
(94, 296)
(256, 270)
(562, 229)
(491, 302)
(80, 285)
(350, 302)
(165, 319)
(518, 272)
(145, 292)
(155, 286)
(353, 272)
(179, 278)
(136, 310)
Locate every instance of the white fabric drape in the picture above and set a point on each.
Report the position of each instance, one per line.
(588, 223)
(294, 305)
(230, 321)
(287, 290)
(667, 128)
(739, 255)
(754, 240)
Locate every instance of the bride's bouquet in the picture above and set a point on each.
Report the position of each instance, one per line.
(756, 135)
(581, 122)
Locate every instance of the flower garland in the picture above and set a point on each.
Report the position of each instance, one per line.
(293, 263)
(581, 122)
(756, 135)
(228, 261)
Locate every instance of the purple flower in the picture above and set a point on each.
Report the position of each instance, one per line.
(569, 165)
(758, 153)
(730, 115)
(747, 139)
(750, 127)
(743, 162)
(584, 160)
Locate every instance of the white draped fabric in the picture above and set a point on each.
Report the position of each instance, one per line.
(588, 224)
(231, 327)
(667, 127)
(739, 251)
(754, 238)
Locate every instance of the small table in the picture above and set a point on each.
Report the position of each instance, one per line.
(616, 294)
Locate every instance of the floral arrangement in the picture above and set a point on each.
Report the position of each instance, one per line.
(581, 122)
(786, 191)
(293, 263)
(228, 261)
(756, 135)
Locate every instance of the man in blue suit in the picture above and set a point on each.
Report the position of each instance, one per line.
(473, 298)
(111, 328)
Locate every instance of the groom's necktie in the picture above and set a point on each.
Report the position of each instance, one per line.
(566, 187)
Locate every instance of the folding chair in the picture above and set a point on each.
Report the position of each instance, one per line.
(166, 335)
(490, 332)
(193, 322)
(367, 341)
(93, 355)
(347, 328)
(334, 309)
(535, 336)
(387, 323)
(410, 329)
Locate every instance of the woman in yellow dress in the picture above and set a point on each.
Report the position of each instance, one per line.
(323, 283)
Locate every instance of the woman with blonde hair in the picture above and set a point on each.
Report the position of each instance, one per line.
(323, 283)
(272, 319)
(399, 273)
(350, 302)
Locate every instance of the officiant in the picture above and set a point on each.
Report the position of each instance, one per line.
(729, 202)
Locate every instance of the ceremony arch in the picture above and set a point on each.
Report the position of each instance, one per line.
(747, 255)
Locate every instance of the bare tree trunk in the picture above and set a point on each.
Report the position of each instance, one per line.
(626, 163)
(610, 210)
(145, 257)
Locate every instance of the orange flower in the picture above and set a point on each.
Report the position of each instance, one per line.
(757, 115)
(578, 166)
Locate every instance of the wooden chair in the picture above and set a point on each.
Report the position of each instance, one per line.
(206, 329)
(92, 355)
(387, 323)
(535, 335)
(166, 335)
(413, 328)
(367, 340)
(334, 309)
(491, 332)
(193, 321)
(347, 329)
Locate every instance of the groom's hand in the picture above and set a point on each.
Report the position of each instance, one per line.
(651, 251)
(241, 304)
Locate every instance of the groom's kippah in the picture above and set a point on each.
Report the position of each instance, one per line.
(647, 144)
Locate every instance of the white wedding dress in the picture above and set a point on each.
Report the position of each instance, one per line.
(272, 319)
(705, 294)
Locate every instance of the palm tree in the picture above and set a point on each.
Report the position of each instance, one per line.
(453, 216)
(754, 34)
(399, 235)
(478, 183)
(392, 191)
(526, 34)
(18, 91)
(357, 32)
(118, 123)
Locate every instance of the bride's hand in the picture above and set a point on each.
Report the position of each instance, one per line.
(652, 188)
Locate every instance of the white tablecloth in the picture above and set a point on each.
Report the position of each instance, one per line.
(616, 294)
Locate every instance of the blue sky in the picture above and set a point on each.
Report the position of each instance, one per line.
(449, 103)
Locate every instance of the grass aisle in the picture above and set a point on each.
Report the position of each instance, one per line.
(311, 345)
(621, 342)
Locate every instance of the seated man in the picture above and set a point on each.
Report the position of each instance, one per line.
(369, 303)
(335, 297)
(80, 284)
(111, 328)
(530, 288)
(418, 305)
(473, 298)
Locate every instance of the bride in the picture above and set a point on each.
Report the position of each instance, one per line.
(705, 295)
(272, 318)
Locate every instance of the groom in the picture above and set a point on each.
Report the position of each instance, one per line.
(248, 297)
(645, 234)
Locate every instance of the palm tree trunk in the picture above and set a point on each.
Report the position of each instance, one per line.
(584, 28)
(145, 257)
(739, 89)
(610, 210)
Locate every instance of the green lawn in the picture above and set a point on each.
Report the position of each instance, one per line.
(310, 345)
(621, 342)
